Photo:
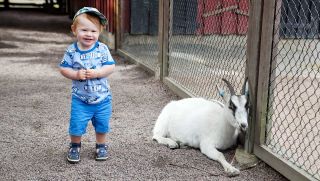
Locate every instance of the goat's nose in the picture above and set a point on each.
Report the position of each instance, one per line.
(243, 126)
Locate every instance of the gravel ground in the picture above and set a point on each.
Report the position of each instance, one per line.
(34, 113)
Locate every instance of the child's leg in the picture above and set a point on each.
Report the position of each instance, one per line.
(75, 139)
(100, 138)
(100, 122)
(81, 113)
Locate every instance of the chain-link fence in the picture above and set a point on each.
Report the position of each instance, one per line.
(140, 31)
(293, 117)
(206, 40)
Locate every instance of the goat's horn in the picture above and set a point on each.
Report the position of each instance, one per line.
(232, 92)
(244, 87)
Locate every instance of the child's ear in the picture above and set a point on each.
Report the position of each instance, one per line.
(73, 29)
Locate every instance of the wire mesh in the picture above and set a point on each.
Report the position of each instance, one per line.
(207, 42)
(140, 38)
(144, 48)
(293, 126)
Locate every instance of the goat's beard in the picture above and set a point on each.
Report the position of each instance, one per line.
(241, 137)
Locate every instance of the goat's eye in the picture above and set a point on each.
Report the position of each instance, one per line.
(232, 106)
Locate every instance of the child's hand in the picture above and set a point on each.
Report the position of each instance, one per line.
(91, 73)
(81, 74)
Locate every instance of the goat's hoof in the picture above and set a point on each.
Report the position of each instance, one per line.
(173, 145)
(232, 172)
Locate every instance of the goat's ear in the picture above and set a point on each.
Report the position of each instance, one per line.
(245, 90)
(220, 91)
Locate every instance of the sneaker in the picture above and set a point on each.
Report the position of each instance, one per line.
(74, 153)
(101, 152)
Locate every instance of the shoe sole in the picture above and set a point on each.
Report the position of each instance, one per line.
(101, 159)
(73, 161)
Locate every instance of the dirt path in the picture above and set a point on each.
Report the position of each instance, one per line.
(34, 113)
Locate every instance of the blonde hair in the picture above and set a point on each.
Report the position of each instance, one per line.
(94, 19)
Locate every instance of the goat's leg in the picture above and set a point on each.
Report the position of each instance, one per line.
(166, 141)
(214, 154)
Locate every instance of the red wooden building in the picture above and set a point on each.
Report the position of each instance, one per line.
(223, 17)
(202, 17)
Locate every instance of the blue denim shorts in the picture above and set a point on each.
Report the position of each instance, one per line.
(82, 113)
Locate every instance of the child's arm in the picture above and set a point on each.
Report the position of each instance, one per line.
(104, 71)
(73, 74)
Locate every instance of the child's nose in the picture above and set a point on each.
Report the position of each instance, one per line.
(89, 33)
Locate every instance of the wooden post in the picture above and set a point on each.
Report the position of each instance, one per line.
(117, 18)
(252, 66)
(245, 156)
(264, 68)
(166, 15)
(158, 71)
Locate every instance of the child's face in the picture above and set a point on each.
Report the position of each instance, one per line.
(87, 33)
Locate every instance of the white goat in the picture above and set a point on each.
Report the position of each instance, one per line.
(204, 124)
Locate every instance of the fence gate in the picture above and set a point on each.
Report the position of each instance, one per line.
(288, 136)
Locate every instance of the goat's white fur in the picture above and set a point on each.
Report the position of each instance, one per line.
(200, 123)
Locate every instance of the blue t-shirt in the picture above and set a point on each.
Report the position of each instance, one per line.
(91, 91)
